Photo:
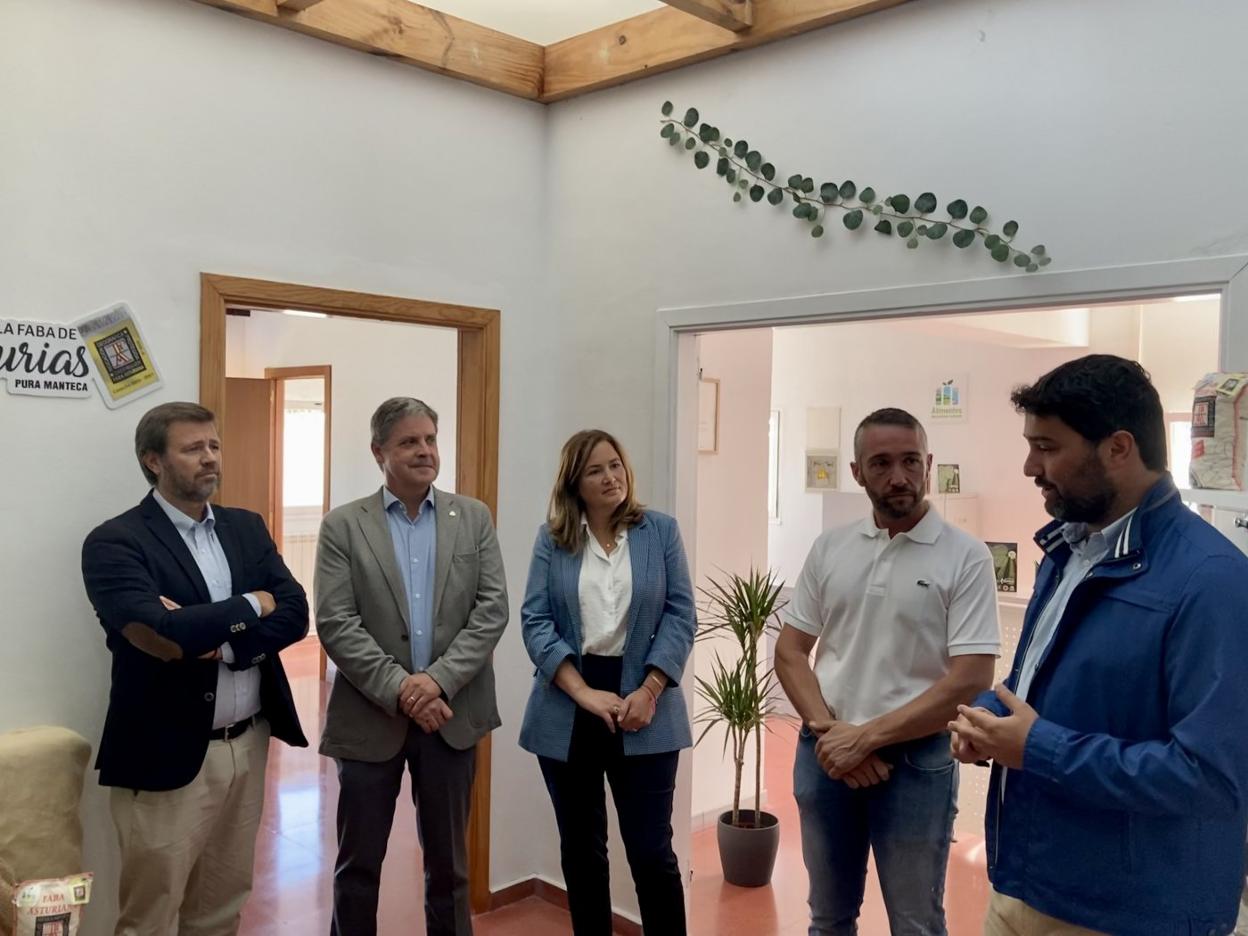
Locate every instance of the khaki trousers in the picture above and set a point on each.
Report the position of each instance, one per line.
(187, 854)
(1010, 917)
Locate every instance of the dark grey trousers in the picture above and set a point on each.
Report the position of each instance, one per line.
(441, 791)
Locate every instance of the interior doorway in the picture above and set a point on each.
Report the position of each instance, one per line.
(476, 349)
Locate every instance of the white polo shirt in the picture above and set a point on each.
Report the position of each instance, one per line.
(891, 613)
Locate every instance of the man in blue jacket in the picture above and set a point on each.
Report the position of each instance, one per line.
(1120, 777)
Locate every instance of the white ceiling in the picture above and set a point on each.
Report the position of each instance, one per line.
(543, 21)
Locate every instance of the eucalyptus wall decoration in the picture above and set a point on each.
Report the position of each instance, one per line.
(751, 176)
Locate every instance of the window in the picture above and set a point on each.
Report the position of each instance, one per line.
(773, 467)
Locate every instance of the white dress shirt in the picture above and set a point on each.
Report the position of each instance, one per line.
(606, 592)
(238, 692)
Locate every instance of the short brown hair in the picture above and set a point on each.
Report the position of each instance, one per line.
(394, 411)
(152, 433)
(566, 508)
(889, 416)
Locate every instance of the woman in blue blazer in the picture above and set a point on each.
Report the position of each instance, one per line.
(608, 619)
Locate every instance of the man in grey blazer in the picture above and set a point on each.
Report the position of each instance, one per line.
(410, 602)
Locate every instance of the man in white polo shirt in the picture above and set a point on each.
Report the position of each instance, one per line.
(903, 608)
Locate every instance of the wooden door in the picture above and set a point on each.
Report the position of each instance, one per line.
(248, 447)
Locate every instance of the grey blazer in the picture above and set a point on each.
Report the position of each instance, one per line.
(361, 619)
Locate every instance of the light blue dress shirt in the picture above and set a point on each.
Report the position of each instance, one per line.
(238, 691)
(415, 552)
(1086, 551)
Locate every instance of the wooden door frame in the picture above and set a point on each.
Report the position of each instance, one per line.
(476, 444)
(280, 374)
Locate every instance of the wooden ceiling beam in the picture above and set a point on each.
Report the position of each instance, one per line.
(410, 33)
(668, 38)
(735, 15)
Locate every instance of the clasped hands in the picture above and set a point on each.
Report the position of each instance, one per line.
(978, 734)
(631, 713)
(420, 699)
(844, 752)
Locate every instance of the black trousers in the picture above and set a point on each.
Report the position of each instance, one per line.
(441, 791)
(642, 787)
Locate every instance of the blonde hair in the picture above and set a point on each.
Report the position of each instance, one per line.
(566, 507)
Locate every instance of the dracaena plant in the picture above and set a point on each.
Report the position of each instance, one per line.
(743, 695)
(752, 177)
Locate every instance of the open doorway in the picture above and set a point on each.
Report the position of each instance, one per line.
(788, 401)
(469, 346)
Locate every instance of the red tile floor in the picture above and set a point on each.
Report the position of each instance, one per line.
(296, 847)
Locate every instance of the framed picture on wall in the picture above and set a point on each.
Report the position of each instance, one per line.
(948, 479)
(822, 470)
(1005, 565)
(708, 415)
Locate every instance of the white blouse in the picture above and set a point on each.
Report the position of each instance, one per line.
(605, 591)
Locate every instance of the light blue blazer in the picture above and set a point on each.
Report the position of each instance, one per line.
(661, 624)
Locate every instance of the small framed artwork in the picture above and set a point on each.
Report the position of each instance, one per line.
(708, 415)
(822, 470)
(948, 479)
(1005, 565)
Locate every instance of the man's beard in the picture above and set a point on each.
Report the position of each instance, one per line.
(896, 509)
(198, 489)
(1088, 505)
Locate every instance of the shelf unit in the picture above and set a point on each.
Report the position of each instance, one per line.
(1224, 500)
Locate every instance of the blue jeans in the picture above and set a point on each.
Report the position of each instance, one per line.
(907, 821)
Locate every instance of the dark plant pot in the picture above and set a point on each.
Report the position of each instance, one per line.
(747, 854)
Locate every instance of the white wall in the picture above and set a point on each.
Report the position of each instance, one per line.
(146, 141)
(862, 367)
(731, 528)
(149, 140)
(1178, 345)
(371, 362)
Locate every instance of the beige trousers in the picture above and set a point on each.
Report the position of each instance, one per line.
(1010, 917)
(187, 854)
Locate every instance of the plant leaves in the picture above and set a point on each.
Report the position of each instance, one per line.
(674, 139)
(817, 231)
(753, 160)
(736, 196)
(808, 185)
(1022, 260)
(768, 171)
(701, 158)
(1045, 261)
(912, 243)
(1038, 250)
(848, 189)
(853, 219)
(978, 215)
(708, 134)
(991, 241)
(1001, 253)
(1031, 268)
(691, 117)
(667, 131)
(877, 209)
(731, 176)
(867, 195)
(795, 181)
(740, 149)
(803, 211)
(1010, 229)
(901, 203)
(775, 196)
(925, 203)
(885, 226)
(690, 143)
(721, 167)
(667, 108)
(828, 192)
(963, 238)
(937, 230)
(957, 209)
(756, 193)
(905, 228)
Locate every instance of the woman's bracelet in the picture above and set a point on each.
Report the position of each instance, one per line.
(653, 697)
(649, 677)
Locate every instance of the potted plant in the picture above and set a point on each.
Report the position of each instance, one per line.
(741, 696)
